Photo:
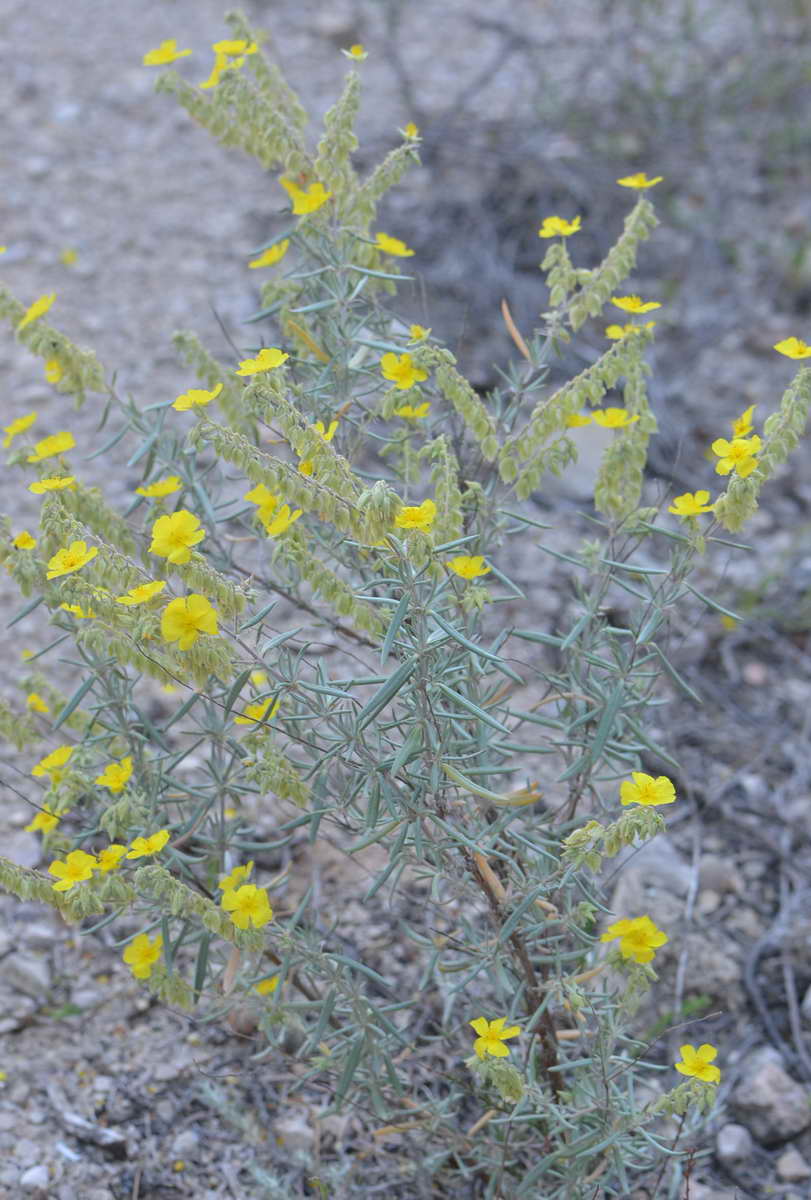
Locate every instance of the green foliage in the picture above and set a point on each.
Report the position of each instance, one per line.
(419, 742)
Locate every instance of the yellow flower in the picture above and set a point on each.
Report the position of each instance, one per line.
(236, 877)
(46, 820)
(54, 483)
(401, 371)
(160, 488)
(173, 536)
(278, 522)
(557, 227)
(24, 541)
(233, 47)
(115, 775)
(266, 987)
(467, 567)
(35, 702)
(577, 421)
(266, 360)
(270, 256)
(737, 455)
(77, 611)
(16, 427)
(75, 868)
(110, 858)
(259, 678)
(141, 594)
(142, 954)
(492, 1036)
(185, 618)
(413, 412)
(53, 370)
(255, 713)
(639, 181)
(418, 333)
(167, 52)
(742, 425)
(420, 516)
(69, 257)
(411, 130)
(36, 310)
(196, 398)
(392, 245)
(698, 1062)
(617, 332)
(53, 763)
(76, 556)
(647, 790)
(263, 498)
(690, 504)
(613, 418)
(633, 304)
(142, 847)
(305, 200)
(638, 937)
(248, 905)
(793, 347)
(357, 52)
(326, 434)
(57, 443)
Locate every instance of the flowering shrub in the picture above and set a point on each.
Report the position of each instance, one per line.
(305, 477)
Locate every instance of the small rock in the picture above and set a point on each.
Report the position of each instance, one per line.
(41, 935)
(5, 943)
(35, 1179)
(27, 1151)
(733, 1144)
(85, 998)
(295, 1134)
(26, 974)
(772, 1105)
(792, 1167)
(708, 902)
(185, 1145)
(805, 1007)
(22, 848)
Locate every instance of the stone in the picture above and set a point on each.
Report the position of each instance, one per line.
(295, 1134)
(40, 935)
(26, 973)
(805, 1007)
(35, 1179)
(792, 1167)
(22, 848)
(27, 1151)
(185, 1145)
(772, 1105)
(733, 1144)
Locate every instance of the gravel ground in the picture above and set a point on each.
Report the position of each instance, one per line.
(525, 110)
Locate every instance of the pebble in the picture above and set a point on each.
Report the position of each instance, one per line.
(772, 1105)
(186, 1144)
(41, 935)
(733, 1144)
(35, 1179)
(26, 974)
(792, 1167)
(27, 1151)
(708, 902)
(805, 1007)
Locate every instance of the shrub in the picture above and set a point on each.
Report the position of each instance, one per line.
(355, 483)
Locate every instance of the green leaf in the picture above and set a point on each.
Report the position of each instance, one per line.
(387, 693)
(74, 701)
(472, 708)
